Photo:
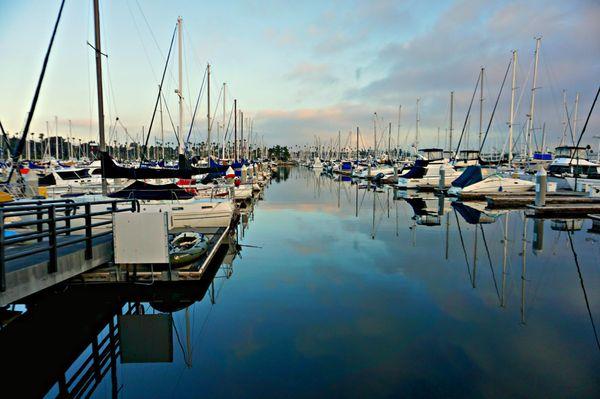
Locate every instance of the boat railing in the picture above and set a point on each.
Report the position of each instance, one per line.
(49, 224)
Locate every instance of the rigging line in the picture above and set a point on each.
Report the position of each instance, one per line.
(196, 107)
(495, 106)
(463, 245)
(468, 114)
(216, 108)
(19, 150)
(569, 124)
(588, 118)
(587, 303)
(160, 86)
(5, 139)
(487, 250)
(148, 59)
(170, 118)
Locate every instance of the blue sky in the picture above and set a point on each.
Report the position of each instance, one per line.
(301, 69)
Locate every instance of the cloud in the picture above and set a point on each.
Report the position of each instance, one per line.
(311, 73)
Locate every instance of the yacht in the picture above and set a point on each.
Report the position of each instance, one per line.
(572, 161)
(477, 180)
(426, 170)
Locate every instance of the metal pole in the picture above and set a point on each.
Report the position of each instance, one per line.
(208, 108)
(99, 89)
(512, 107)
(180, 87)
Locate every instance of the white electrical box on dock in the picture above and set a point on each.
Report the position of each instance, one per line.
(141, 238)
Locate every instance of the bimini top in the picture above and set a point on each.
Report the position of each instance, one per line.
(144, 191)
(431, 154)
(471, 175)
(571, 152)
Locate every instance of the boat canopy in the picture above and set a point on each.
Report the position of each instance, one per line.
(144, 191)
(417, 171)
(471, 175)
(432, 154)
(469, 155)
(571, 152)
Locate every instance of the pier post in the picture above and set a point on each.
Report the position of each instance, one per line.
(541, 185)
(442, 182)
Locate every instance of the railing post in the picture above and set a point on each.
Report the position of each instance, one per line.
(53, 251)
(39, 213)
(2, 269)
(88, 231)
(68, 221)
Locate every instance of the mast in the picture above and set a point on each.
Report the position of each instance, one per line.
(242, 146)
(451, 122)
(575, 115)
(224, 128)
(532, 107)
(417, 129)
(389, 140)
(70, 135)
(99, 89)
(162, 129)
(481, 107)
(398, 132)
(357, 151)
(564, 121)
(180, 87)
(235, 147)
(512, 107)
(375, 134)
(56, 153)
(209, 151)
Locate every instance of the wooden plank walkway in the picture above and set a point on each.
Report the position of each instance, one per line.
(562, 209)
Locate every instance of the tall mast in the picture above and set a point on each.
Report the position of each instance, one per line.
(564, 121)
(481, 107)
(180, 88)
(375, 134)
(357, 151)
(533, 87)
(512, 107)
(451, 122)
(389, 140)
(575, 115)
(224, 128)
(56, 138)
(162, 129)
(70, 135)
(235, 116)
(398, 132)
(209, 151)
(99, 88)
(242, 146)
(339, 155)
(417, 129)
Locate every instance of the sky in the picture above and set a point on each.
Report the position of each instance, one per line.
(302, 70)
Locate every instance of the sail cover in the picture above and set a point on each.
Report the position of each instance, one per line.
(144, 191)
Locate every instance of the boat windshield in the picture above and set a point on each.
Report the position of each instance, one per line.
(571, 152)
(432, 154)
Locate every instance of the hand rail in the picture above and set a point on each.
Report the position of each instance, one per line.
(51, 220)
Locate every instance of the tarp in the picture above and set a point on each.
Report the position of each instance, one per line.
(471, 175)
(144, 191)
(416, 171)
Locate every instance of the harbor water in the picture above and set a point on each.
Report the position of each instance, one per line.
(341, 290)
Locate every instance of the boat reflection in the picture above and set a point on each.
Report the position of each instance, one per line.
(65, 344)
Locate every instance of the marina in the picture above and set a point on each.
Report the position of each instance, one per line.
(308, 211)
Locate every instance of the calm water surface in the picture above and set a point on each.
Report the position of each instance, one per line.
(343, 292)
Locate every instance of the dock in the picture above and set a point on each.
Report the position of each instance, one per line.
(562, 210)
(507, 201)
(53, 241)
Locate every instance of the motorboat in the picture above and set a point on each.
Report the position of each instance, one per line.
(477, 180)
(572, 161)
(426, 170)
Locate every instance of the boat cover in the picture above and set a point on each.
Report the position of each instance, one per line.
(144, 191)
(471, 175)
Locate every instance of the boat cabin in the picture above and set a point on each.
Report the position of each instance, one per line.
(571, 152)
(431, 154)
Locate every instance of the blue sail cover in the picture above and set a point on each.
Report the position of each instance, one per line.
(416, 171)
(347, 165)
(471, 175)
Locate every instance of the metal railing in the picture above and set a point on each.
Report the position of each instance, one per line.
(51, 220)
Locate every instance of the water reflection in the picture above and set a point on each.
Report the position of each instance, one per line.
(347, 290)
